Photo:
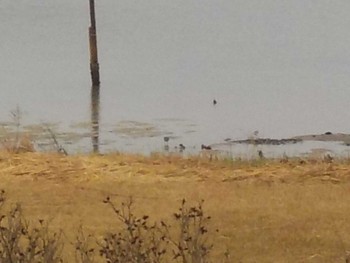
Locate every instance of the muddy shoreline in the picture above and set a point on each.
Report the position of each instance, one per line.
(326, 137)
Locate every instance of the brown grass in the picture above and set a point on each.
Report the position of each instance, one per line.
(266, 211)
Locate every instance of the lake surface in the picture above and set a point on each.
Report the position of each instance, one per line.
(277, 67)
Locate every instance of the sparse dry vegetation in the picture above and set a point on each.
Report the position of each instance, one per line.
(138, 241)
(265, 210)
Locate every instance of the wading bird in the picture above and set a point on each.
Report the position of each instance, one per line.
(206, 147)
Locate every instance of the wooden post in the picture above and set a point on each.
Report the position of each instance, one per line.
(94, 66)
(95, 78)
(95, 118)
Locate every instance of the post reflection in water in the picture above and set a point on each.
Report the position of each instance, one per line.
(95, 117)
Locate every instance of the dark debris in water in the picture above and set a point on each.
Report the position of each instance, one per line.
(267, 141)
(328, 136)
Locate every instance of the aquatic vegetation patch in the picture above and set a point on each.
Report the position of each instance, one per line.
(81, 125)
(135, 129)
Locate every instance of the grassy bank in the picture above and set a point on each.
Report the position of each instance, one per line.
(265, 210)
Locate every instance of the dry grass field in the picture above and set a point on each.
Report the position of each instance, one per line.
(265, 210)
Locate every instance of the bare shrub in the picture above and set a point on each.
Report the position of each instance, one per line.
(19, 242)
(138, 241)
(191, 243)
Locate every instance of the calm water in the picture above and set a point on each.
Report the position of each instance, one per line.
(279, 67)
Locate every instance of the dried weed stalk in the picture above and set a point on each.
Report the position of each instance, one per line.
(19, 141)
(84, 250)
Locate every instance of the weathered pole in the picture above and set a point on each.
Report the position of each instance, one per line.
(95, 78)
(94, 66)
(95, 118)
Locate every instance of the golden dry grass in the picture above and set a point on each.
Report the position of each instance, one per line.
(266, 211)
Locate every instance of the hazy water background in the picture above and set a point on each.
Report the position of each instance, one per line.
(280, 67)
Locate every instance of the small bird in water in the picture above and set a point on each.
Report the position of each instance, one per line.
(328, 158)
(166, 148)
(166, 145)
(182, 147)
(214, 102)
(205, 147)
